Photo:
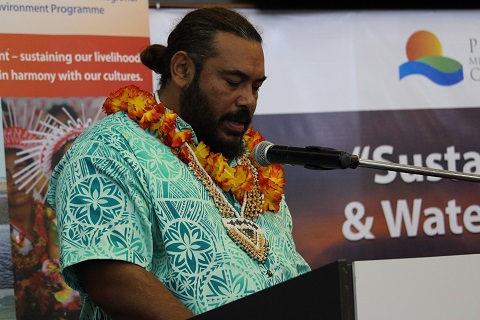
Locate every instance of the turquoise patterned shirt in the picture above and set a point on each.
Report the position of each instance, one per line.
(119, 193)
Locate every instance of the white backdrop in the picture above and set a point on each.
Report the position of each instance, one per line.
(349, 61)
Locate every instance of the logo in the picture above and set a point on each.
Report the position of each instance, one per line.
(424, 53)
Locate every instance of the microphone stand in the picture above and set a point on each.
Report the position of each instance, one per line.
(328, 158)
(418, 170)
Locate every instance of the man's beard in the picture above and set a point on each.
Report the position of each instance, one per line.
(196, 109)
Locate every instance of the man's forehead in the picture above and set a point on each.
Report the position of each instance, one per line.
(239, 55)
(225, 40)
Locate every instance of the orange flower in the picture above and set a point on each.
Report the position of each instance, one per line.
(158, 113)
(271, 183)
(177, 139)
(182, 154)
(147, 117)
(167, 123)
(118, 100)
(252, 138)
(141, 100)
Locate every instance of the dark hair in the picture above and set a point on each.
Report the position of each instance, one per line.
(195, 35)
(58, 155)
(16, 150)
(58, 109)
(6, 114)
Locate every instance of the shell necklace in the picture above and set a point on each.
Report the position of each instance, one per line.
(240, 227)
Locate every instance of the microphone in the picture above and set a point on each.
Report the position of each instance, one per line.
(311, 157)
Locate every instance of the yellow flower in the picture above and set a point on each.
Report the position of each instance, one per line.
(225, 176)
(216, 163)
(201, 151)
(241, 183)
(148, 117)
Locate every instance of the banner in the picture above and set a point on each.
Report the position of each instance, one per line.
(58, 62)
(394, 86)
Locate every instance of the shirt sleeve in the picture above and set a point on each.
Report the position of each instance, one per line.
(98, 195)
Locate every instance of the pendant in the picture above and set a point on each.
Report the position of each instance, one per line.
(248, 236)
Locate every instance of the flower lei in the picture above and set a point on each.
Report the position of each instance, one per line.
(142, 108)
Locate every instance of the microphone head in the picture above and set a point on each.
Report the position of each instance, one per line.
(260, 153)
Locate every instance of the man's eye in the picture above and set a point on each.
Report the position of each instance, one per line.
(233, 83)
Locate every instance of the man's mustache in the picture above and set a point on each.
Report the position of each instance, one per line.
(241, 115)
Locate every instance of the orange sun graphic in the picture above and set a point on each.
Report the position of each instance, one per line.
(423, 44)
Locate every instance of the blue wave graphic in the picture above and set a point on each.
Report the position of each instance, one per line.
(435, 75)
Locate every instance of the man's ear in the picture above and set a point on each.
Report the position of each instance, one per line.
(182, 69)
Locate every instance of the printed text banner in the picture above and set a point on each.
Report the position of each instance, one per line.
(63, 66)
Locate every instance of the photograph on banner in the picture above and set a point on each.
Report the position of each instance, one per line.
(37, 132)
(52, 70)
(7, 295)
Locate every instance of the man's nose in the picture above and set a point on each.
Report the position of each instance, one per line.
(248, 99)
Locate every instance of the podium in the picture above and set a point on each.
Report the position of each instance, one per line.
(433, 288)
(324, 293)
